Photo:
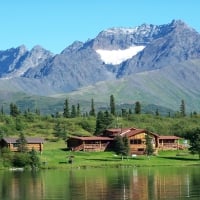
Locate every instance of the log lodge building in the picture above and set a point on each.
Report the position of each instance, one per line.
(136, 138)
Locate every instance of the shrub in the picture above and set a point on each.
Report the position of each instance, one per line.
(21, 160)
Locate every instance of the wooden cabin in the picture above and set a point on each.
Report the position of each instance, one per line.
(13, 143)
(136, 137)
(92, 143)
(169, 142)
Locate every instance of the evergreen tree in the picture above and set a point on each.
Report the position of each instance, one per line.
(112, 105)
(22, 143)
(194, 137)
(157, 112)
(121, 146)
(78, 113)
(19, 124)
(103, 121)
(2, 110)
(182, 108)
(34, 159)
(107, 119)
(73, 112)
(66, 113)
(58, 129)
(92, 111)
(137, 107)
(149, 147)
(126, 145)
(57, 115)
(99, 123)
(14, 111)
(37, 111)
(124, 112)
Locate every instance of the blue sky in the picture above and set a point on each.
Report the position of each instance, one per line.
(55, 24)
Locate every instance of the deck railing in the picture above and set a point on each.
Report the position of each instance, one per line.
(91, 147)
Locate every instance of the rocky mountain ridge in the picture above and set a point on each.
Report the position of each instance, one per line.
(82, 64)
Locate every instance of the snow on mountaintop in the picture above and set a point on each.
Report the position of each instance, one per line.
(120, 30)
(143, 30)
(116, 57)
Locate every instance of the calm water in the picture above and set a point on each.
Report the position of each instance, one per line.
(102, 184)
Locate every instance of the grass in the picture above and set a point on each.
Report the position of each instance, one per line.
(55, 155)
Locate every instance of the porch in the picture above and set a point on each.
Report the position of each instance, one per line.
(91, 144)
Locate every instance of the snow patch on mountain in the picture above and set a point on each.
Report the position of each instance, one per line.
(116, 57)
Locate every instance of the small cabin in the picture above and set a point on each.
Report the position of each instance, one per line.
(92, 143)
(13, 143)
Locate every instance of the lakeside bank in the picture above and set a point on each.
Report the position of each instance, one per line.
(55, 156)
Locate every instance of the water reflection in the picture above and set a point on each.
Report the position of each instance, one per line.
(102, 184)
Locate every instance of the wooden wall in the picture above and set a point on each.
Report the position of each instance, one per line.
(37, 147)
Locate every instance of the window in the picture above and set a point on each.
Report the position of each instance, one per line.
(15, 145)
(136, 141)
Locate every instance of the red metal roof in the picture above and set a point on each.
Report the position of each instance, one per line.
(30, 140)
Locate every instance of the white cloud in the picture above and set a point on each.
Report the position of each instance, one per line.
(116, 57)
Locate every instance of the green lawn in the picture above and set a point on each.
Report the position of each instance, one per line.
(55, 155)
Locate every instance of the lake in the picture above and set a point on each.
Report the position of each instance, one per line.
(102, 184)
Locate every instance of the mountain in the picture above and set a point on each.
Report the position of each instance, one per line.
(178, 43)
(156, 64)
(15, 62)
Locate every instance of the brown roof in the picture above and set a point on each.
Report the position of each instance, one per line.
(117, 130)
(128, 131)
(91, 138)
(132, 131)
(30, 140)
(170, 137)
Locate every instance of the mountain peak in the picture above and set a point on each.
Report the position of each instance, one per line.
(37, 47)
(73, 47)
(178, 22)
(22, 49)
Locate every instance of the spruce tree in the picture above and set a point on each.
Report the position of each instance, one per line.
(78, 112)
(103, 121)
(58, 130)
(149, 147)
(194, 137)
(99, 123)
(14, 111)
(157, 112)
(182, 108)
(2, 110)
(112, 105)
(107, 119)
(126, 145)
(22, 143)
(73, 112)
(66, 113)
(121, 146)
(92, 111)
(137, 107)
(34, 159)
